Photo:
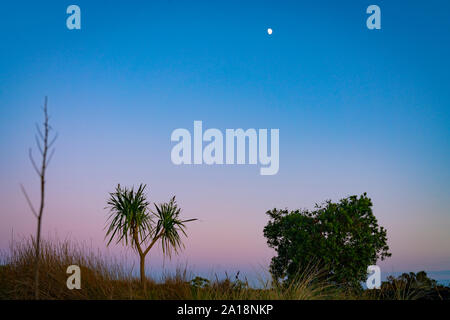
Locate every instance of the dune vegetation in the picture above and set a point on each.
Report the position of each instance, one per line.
(105, 278)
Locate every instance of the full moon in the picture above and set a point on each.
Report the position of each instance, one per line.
(269, 31)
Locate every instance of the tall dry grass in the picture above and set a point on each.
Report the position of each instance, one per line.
(102, 278)
(105, 278)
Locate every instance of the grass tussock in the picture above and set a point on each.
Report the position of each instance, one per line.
(105, 278)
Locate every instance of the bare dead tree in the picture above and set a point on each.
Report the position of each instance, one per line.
(45, 148)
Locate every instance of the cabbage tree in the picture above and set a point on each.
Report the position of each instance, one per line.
(132, 223)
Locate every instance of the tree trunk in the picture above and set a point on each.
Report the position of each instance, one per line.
(143, 280)
(37, 258)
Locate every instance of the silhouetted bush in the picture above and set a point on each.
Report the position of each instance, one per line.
(344, 238)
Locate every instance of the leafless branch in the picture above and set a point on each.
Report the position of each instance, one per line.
(50, 157)
(38, 145)
(39, 131)
(53, 140)
(29, 201)
(33, 163)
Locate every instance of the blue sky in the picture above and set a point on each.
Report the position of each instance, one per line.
(358, 111)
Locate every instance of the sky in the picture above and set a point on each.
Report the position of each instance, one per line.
(358, 110)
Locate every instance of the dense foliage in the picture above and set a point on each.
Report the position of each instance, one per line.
(343, 238)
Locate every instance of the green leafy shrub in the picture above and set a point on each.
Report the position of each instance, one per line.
(343, 238)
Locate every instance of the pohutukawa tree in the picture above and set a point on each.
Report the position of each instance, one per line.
(133, 223)
(342, 238)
